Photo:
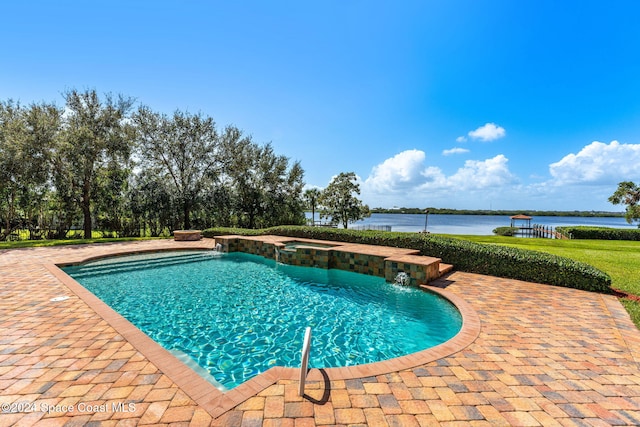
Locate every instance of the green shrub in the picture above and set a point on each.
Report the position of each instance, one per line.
(223, 231)
(600, 233)
(493, 260)
(505, 231)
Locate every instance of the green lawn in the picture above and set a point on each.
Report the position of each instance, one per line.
(618, 258)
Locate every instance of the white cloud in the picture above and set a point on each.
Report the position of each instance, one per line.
(582, 180)
(598, 163)
(461, 139)
(405, 177)
(488, 132)
(312, 187)
(456, 150)
(477, 174)
(434, 178)
(400, 171)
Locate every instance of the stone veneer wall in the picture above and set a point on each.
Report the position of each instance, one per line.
(419, 274)
(257, 247)
(229, 244)
(305, 257)
(373, 265)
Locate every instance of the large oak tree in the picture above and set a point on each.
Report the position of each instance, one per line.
(96, 133)
(184, 149)
(27, 139)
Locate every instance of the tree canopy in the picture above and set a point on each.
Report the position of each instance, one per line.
(182, 149)
(27, 139)
(628, 193)
(340, 202)
(95, 164)
(95, 137)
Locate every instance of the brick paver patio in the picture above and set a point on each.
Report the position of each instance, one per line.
(542, 356)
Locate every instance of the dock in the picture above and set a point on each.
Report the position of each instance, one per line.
(535, 230)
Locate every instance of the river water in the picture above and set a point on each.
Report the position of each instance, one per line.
(476, 224)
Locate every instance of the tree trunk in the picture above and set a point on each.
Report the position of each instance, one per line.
(10, 216)
(252, 218)
(186, 211)
(86, 208)
(7, 227)
(86, 212)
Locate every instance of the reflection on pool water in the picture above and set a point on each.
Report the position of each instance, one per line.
(238, 315)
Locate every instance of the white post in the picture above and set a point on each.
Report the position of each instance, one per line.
(306, 347)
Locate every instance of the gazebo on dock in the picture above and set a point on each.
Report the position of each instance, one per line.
(525, 224)
(525, 221)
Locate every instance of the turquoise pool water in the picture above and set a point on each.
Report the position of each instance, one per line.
(238, 315)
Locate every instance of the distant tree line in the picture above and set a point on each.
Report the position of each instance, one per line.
(446, 211)
(98, 163)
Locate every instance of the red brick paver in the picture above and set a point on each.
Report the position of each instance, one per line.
(543, 356)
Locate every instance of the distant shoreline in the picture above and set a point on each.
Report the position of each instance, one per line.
(444, 211)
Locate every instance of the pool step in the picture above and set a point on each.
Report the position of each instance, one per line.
(102, 268)
(444, 269)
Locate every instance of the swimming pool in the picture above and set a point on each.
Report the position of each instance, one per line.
(238, 315)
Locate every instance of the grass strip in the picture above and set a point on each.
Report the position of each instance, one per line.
(618, 258)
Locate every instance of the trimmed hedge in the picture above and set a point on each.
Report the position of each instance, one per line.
(222, 231)
(493, 260)
(505, 231)
(600, 233)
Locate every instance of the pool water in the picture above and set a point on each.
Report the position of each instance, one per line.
(296, 244)
(237, 315)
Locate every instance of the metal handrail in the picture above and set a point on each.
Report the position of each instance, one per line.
(306, 348)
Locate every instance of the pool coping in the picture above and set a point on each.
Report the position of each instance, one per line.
(216, 402)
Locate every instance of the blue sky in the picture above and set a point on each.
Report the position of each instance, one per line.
(460, 104)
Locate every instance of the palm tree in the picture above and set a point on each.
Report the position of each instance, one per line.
(312, 196)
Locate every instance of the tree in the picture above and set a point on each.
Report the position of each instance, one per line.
(268, 191)
(340, 201)
(65, 201)
(43, 126)
(218, 206)
(151, 203)
(312, 197)
(12, 171)
(628, 194)
(281, 189)
(184, 149)
(96, 134)
(110, 203)
(27, 138)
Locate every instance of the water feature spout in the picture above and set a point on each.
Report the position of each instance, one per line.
(217, 251)
(403, 279)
